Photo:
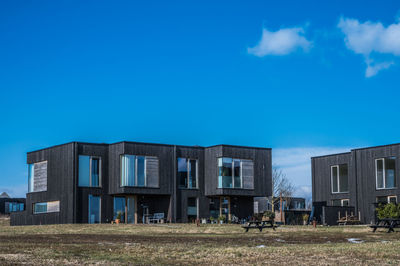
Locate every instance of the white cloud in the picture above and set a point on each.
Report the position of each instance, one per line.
(281, 42)
(296, 164)
(371, 38)
(372, 70)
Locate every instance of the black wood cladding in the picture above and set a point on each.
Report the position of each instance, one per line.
(362, 178)
(62, 179)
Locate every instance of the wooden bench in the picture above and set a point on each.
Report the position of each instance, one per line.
(388, 223)
(260, 225)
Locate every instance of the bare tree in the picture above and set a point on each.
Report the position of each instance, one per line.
(281, 187)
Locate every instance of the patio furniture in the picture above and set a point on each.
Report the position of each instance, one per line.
(388, 223)
(156, 218)
(260, 225)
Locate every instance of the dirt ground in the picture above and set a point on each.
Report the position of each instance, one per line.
(185, 244)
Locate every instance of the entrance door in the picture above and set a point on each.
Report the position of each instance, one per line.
(94, 209)
(225, 207)
(126, 205)
(192, 210)
(130, 210)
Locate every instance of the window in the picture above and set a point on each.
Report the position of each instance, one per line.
(345, 202)
(89, 171)
(139, 171)
(192, 209)
(214, 207)
(235, 173)
(386, 199)
(37, 177)
(237, 180)
(125, 205)
(187, 173)
(46, 207)
(392, 199)
(94, 209)
(119, 206)
(225, 173)
(31, 176)
(141, 182)
(340, 202)
(385, 173)
(14, 207)
(339, 178)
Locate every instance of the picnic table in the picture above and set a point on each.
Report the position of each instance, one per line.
(259, 225)
(389, 223)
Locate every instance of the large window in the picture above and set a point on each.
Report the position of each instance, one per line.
(46, 207)
(235, 173)
(37, 177)
(339, 178)
(187, 173)
(94, 209)
(385, 172)
(139, 171)
(89, 171)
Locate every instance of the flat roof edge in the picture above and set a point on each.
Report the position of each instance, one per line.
(334, 154)
(148, 143)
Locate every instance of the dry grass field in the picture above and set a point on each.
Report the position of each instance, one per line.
(187, 244)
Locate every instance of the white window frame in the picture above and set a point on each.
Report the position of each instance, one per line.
(393, 196)
(337, 176)
(341, 202)
(233, 172)
(338, 179)
(136, 169)
(47, 210)
(383, 159)
(387, 198)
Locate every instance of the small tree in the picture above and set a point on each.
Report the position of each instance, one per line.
(281, 187)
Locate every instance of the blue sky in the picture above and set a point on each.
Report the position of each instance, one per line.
(302, 77)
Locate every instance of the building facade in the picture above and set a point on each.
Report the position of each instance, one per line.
(361, 178)
(9, 205)
(91, 183)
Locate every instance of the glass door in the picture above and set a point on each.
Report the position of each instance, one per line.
(126, 205)
(225, 207)
(130, 210)
(94, 209)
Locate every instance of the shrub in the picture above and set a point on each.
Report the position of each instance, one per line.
(390, 210)
(221, 218)
(305, 217)
(269, 214)
(119, 214)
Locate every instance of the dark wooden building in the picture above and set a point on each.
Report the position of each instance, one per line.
(93, 183)
(9, 205)
(360, 178)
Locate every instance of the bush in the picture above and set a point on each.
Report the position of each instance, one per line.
(269, 214)
(221, 218)
(305, 217)
(119, 214)
(390, 210)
